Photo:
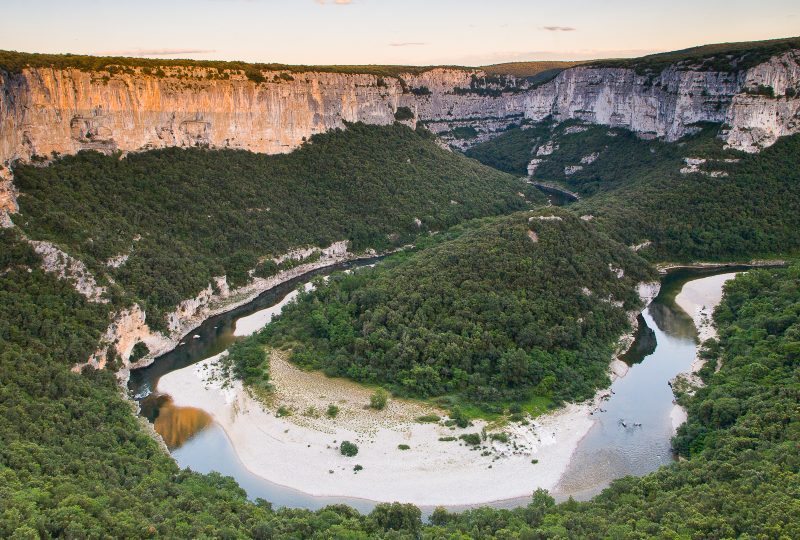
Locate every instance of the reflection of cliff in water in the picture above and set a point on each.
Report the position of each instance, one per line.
(644, 343)
(176, 425)
(672, 321)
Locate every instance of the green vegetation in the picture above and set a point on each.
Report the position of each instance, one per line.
(463, 132)
(529, 70)
(724, 57)
(403, 447)
(472, 439)
(429, 419)
(403, 113)
(348, 449)
(379, 399)
(14, 62)
(502, 437)
(636, 192)
(184, 216)
(511, 151)
(489, 315)
(332, 411)
(497, 310)
(249, 361)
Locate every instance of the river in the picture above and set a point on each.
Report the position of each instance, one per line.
(631, 434)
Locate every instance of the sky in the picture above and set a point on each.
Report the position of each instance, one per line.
(410, 32)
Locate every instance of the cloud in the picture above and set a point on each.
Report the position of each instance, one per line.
(155, 52)
(407, 44)
(336, 2)
(559, 28)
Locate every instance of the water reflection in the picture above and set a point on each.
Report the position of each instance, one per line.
(633, 429)
(177, 425)
(644, 343)
(615, 446)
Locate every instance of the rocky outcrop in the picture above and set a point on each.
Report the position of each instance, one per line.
(129, 326)
(69, 268)
(757, 105)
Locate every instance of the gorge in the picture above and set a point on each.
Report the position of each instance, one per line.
(217, 267)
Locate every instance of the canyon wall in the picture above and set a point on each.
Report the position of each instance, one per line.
(755, 106)
(47, 110)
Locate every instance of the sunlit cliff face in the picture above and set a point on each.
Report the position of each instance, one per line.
(176, 425)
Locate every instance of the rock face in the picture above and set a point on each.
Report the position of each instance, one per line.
(47, 110)
(754, 105)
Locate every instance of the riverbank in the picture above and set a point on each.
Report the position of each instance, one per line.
(436, 468)
(301, 451)
(129, 326)
(698, 299)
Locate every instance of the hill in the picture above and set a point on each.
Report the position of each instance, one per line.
(494, 312)
(178, 217)
(691, 199)
(723, 57)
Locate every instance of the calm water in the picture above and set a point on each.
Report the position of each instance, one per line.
(632, 432)
(616, 445)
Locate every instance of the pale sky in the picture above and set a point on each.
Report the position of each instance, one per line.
(416, 32)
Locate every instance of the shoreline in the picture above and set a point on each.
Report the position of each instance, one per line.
(667, 268)
(700, 307)
(129, 325)
(428, 474)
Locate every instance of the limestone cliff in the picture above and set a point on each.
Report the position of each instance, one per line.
(756, 106)
(47, 110)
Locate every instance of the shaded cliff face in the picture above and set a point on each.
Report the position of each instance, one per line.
(46, 110)
(753, 104)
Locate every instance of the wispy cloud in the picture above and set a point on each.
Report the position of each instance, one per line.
(155, 52)
(559, 28)
(407, 44)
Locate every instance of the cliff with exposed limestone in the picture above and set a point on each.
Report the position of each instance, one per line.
(46, 110)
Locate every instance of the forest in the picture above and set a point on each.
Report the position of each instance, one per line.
(635, 189)
(489, 309)
(75, 461)
(185, 215)
(496, 311)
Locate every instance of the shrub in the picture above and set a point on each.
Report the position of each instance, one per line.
(502, 437)
(378, 400)
(447, 439)
(283, 411)
(348, 449)
(358, 468)
(473, 439)
(403, 113)
(139, 351)
(332, 411)
(429, 419)
(403, 447)
(458, 416)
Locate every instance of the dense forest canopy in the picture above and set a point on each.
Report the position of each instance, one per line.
(500, 310)
(185, 215)
(75, 462)
(736, 206)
